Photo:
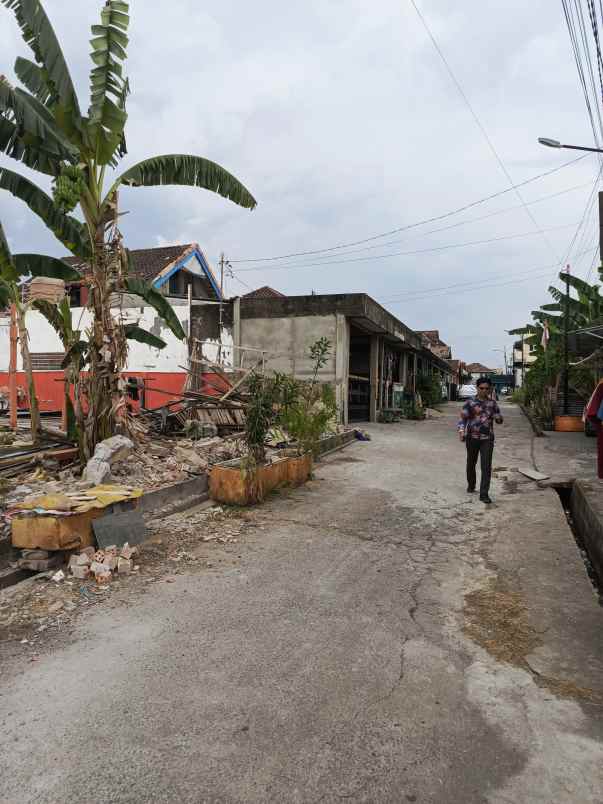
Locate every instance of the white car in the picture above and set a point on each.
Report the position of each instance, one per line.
(467, 391)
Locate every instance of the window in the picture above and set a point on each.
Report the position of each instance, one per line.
(174, 284)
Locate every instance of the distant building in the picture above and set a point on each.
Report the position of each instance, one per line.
(524, 355)
(477, 370)
(433, 342)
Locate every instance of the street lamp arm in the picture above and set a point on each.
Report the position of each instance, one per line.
(556, 144)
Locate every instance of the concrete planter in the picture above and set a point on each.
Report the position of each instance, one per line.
(232, 484)
(568, 424)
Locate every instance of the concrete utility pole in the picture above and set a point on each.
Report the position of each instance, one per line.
(566, 345)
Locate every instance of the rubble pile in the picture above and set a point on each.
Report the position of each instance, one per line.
(101, 564)
(159, 462)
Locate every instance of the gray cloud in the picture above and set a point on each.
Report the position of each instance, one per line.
(342, 120)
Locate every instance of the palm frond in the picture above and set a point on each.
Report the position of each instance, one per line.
(192, 171)
(39, 35)
(135, 333)
(72, 234)
(153, 297)
(108, 115)
(42, 265)
(8, 269)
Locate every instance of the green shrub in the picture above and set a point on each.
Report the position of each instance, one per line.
(430, 388)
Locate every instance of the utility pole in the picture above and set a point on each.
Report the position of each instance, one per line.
(523, 364)
(566, 345)
(222, 264)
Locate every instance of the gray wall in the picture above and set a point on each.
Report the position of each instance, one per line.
(287, 342)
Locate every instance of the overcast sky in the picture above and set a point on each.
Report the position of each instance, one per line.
(343, 122)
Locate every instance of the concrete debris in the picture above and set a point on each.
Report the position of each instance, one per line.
(98, 468)
(124, 566)
(58, 576)
(97, 472)
(110, 562)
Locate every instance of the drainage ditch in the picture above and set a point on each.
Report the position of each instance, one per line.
(565, 496)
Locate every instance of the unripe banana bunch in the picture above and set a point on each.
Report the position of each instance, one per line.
(68, 187)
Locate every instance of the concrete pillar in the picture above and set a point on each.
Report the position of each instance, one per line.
(342, 365)
(374, 375)
(236, 331)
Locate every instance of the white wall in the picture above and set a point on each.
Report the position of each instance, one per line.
(43, 338)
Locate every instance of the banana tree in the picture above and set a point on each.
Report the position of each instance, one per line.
(44, 127)
(12, 268)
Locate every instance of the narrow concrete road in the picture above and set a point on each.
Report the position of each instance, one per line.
(379, 636)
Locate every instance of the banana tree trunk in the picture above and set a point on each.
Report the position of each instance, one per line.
(107, 353)
(34, 410)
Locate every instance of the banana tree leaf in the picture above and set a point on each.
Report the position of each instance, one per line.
(580, 285)
(193, 171)
(39, 35)
(35, 78)
(135, 333)
(72, 234)
(5, 294)
(27, 149)
(153, 297)
(108, 115)
(78, 349)
(8, 269)
(41, 265)
(32, 118)
(58, 316)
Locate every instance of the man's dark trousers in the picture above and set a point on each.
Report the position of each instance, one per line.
(484, 448)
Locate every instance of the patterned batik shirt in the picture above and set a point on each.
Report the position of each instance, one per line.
(477, 418)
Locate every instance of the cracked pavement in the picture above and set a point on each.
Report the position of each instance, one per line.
(328, 659)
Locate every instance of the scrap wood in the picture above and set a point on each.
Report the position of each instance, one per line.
(241, 380)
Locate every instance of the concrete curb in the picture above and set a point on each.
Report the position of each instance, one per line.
(178, 497)
(587, 510)
(335, 442)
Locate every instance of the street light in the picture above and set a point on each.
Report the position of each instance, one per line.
(556, 144)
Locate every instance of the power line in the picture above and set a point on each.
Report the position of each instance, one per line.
(405, 228)
(481, 127)
(473, 289)
(294, 266)
(457, 224)
(404, 295)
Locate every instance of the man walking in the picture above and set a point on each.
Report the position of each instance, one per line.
(476, 429)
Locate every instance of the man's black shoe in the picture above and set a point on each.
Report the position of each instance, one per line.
(470, 490)
(485, 499)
